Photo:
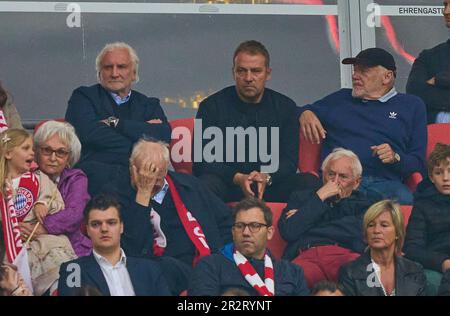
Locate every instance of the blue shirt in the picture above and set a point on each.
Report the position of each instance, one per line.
(120, 100)
(397, 119)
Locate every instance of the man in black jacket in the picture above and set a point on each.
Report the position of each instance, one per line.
(260, 133)
(110, 117)
(430, 77)
(323, 228)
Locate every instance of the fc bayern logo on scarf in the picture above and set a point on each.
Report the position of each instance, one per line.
(24, 201)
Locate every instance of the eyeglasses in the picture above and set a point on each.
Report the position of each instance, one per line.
(60, 153)
(253, 226)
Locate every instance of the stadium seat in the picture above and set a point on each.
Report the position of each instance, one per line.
(277, 243)
(308, 156)
(181, 140)
(437, 133)
(406, 211)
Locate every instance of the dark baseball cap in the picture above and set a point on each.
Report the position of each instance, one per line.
(372, 57)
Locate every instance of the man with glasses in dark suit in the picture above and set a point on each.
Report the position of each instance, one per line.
(246, 264)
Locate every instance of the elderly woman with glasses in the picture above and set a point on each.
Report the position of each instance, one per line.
(57, 150)
(381, 270)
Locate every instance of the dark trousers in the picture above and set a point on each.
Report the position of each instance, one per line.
(278, 192)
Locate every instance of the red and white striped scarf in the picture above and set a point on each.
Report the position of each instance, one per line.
(11, 231)
(190, 224)
(3, 123)
(15, 251)
(266, 288)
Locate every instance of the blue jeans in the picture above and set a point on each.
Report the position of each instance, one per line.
(386, 189)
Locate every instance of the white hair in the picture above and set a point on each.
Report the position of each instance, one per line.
(340, 152)
(139, 147)
(66, 134)
(111, 47)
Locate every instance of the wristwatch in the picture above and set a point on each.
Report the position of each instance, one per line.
(269, 180)
(112, 121)
(396, 158)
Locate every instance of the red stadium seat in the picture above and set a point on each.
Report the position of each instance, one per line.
(308, 156)
(181, 140)
(437, 133)
(277, 243)
(406, 211)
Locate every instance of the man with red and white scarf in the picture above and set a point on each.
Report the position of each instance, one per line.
(246, 264)
(169, 215)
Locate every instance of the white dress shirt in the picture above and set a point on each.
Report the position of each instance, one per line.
(117, 277)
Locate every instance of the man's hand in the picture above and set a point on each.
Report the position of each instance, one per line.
(445, 265)
(241, 179)
(154, 121)
(144, 180)
(432, 81)
(384, 153)
(331, 188)
(40, 211)
(311, 127)
(10, 280)
(261, 182)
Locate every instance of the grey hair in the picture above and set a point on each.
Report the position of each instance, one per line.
(137, 148)
(66, 134)
(111, 47)
(340, 152)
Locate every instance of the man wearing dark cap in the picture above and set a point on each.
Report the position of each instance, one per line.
(430, 77)
(386, 129)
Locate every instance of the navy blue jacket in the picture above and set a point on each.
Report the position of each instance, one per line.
(88, 105)
(212, 214)
(225, 109)
(427, 238)
(318, 223)
(145, 275)
(217, 273)
(434, 62)
(357, 125)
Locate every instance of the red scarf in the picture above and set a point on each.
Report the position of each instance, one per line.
(11, 231)
(190, 224)
(3, 123)
(26, 195)
(266, 288)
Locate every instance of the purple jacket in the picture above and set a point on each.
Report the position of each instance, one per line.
(73, 186)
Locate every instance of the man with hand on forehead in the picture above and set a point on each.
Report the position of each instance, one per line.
(384, 128)
(169, 215)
